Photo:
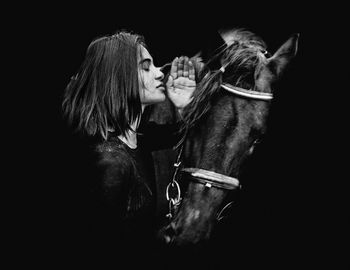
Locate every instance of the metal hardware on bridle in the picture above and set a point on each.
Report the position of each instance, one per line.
(212, 179)
(174, 199)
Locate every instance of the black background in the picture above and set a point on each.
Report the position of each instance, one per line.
(293, 202)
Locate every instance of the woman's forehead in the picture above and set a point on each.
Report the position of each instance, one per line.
(144, 54)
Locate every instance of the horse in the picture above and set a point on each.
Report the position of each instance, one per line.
(226, 118)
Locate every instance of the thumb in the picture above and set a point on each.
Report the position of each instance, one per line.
(170, 81)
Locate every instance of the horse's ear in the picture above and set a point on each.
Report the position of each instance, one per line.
(284, 54)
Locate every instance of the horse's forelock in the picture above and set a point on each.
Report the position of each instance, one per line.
(242, 56)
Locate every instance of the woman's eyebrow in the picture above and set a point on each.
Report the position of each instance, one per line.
(145, 60)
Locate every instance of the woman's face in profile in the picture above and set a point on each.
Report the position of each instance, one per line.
(152, 88)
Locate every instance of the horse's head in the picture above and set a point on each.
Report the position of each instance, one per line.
(226, 117)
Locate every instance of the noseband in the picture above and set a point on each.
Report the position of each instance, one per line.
(212, 179)
(208, 178)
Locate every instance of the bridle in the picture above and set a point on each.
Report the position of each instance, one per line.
(208, 178)
(247, 93)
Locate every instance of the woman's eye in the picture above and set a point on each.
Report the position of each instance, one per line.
(146, 66)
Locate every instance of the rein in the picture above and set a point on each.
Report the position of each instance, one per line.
(208, 178)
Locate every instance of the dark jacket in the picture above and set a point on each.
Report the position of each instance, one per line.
(126, 187)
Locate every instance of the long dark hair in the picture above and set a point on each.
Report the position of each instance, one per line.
(104, 94)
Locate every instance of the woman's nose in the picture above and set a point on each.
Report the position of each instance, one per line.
(160, 74)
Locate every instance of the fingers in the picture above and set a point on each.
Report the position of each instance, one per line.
(185, 67)
(191, 72)
(180, 67)
(169, 82)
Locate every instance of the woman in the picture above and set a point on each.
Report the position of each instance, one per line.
(108, 100)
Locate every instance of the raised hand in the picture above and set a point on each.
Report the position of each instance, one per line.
(181, 82)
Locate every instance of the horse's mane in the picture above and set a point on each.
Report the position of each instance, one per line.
(240, 58)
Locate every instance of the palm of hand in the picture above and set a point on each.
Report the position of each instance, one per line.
(181, 82)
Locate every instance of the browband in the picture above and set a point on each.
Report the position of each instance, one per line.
(247, 93)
